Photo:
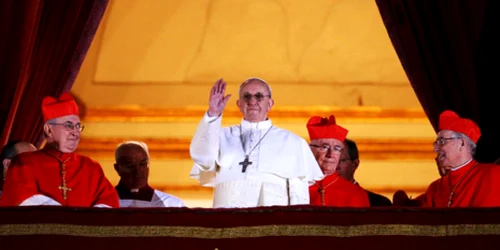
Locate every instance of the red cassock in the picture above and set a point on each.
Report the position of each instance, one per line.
(40, 172)
(475, 185)
(338, 192)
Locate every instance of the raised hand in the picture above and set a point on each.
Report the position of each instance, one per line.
(217, 101)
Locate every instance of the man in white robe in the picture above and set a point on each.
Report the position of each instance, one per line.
(254, 163)
(132, 165)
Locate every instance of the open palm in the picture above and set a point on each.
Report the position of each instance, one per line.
(217, 101)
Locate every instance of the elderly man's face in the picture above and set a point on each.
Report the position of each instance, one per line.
(255, 101)
(133, 166)
(65, 131)
(327, 152)
(449, 149)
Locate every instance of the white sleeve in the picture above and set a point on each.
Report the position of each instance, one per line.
(314, 172)
(298, 191)
(180, 203)
(102, 205)
(39, 200)
(204, 148)
(205, 177)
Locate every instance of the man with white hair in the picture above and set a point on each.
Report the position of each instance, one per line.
(132, 165)
(56, 175)
(254, 163)
(464, 181)
(327, 144)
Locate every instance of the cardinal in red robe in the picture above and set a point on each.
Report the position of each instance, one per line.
(465, 182)
(56, 175)
(326, 142)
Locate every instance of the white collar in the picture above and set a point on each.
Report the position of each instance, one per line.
(461, 166)
(263, 125)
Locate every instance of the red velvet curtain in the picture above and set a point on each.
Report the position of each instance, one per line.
(445, 47)
(42, 47)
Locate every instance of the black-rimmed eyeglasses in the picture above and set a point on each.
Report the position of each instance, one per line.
(344, 160)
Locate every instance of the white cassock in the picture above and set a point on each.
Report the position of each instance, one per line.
(160, 199)
(283, 166)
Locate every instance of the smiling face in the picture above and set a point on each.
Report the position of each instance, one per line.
(59, 133)
(255, 101)
(451, 149)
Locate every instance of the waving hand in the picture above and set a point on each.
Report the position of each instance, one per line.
(217, 101)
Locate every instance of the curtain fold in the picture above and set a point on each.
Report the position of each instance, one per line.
(55, 46)
(19, 25)
(440, 45)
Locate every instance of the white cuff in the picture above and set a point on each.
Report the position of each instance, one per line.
(39, 200)
(210, 119)
(102, 205)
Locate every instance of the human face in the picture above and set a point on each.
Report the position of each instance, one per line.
(60, 134)
(133, 166)
(347, 166)
(449, 149)
(254, 110)
(327, 152)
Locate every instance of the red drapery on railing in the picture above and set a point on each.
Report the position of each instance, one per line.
(295, 227)
(447, 49)
(42, 46)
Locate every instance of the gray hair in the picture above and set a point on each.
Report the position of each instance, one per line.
(255, 79)
(141, 144)
(51, 121)
(472, 145)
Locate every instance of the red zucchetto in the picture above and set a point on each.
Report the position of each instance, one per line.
(324, 128)
(53, 108)
(449, 120)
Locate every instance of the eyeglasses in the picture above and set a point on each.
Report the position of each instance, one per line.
(247, 97)
(70, 126)
(442, 140)
(325, 148)
(344, 160)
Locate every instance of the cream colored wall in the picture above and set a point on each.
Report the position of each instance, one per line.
(168, 53)
(282, 41)
(317, 55)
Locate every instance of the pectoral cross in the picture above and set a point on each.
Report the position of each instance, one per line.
(63, 187)
(65, 190)
(245, 164)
